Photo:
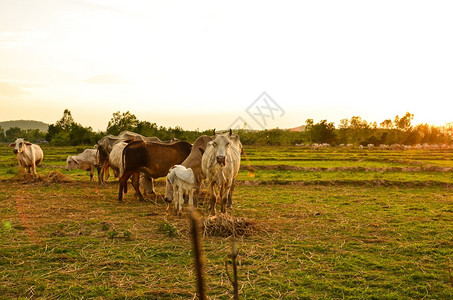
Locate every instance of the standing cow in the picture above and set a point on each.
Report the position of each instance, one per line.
(180, 181)
(220, 164)
(27, 154)
(87, 160)
(152, 158)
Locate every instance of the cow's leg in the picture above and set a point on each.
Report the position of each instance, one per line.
(34, 170)
(213, 198)
(191, 197)
(107, 171)
(224, 191)
(180, 201)
(102, 175)
(122, 184)
(91, 173)
(230, 195)
(175, 197)
(152, 186)
(98, 169)
(136, 185)
(197, 194)
(135, 180)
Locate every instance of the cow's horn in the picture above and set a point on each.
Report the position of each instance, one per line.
(231, 132)
(213, 131)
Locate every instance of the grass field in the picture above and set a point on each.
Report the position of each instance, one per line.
(330, 224)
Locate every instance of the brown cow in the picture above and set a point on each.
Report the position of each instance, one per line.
(151, 158)
(105, 146)
(193, 161)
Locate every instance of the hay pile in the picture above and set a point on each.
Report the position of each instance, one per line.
(224, 225)
(49, 178)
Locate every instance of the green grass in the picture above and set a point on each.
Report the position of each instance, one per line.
(343, 235)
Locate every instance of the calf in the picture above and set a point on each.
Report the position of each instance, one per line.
(87, 160)
(193, 161)
(180, 181)
(27, 154)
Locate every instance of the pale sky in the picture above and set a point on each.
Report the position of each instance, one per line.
(201, 64)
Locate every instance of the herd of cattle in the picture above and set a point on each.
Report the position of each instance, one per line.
(425, 146)
(212, 159)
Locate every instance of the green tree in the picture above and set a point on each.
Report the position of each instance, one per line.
(66, 121)
(323, 132)
(120, 122)
(2, 135)
(404, 123)
(13, 133)
(386, 124)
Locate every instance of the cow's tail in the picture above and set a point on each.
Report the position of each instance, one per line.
(123, 164)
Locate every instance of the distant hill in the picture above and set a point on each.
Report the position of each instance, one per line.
(25, 124)
(299, 128)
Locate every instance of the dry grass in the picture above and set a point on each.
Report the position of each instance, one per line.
(50, 178)
(225, 225)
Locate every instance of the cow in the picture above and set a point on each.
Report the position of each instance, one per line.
(180, 180)
(87, 160)
(116, 157)
(220, 164)
(27, 154)
(152, 158)
(105, 146)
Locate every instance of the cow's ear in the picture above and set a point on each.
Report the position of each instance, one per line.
(213, 132)
(201, 149)
(231, 132)
(12, 145)
(171, 177)
(28, 143)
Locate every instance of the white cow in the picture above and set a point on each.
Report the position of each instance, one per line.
(27, 154)
(87, 160)
(180, 181)
(116, 158)
(220, 164)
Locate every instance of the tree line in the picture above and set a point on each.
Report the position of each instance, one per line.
(66, 131)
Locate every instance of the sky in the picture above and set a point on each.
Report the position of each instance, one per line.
(212, 64)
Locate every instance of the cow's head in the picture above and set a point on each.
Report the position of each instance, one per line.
(169, 191)
(71, 163)
(19, 145)
(221, 145)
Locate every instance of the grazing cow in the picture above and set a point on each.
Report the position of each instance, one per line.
(27, 154)
(180, 181)
(87, 160)
(151, 158)
(220, 164)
